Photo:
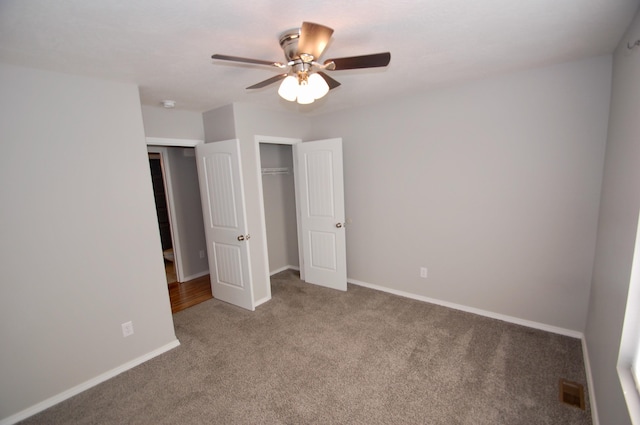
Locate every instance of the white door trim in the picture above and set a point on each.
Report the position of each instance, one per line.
(263, 220)
(173, 226)
(184, 143)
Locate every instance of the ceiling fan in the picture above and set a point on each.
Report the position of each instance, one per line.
(305, 79)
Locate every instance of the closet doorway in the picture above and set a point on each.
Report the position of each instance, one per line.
(279, 202)
(318, 222)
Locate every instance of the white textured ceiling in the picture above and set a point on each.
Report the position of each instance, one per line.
(165, 46)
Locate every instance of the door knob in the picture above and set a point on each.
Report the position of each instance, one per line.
(244, 238)
(339, 225)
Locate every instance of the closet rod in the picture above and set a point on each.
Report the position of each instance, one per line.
(274, 171)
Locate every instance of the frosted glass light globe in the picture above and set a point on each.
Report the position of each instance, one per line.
(305, 94)
(289, 88)
(319, 86)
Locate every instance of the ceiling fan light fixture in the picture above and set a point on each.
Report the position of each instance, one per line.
(304, 88)
(302, 48)
(319, 87)
(289, 88)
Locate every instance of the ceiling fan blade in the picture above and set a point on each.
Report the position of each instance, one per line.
(330, 81)
(246, 60)
(375, 60)
(313, 39)
(267, 82)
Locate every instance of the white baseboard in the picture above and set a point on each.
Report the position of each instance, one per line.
(262, 301)
(86, 385)
(271, 273)
(590, 386)
(486, 313)
(195, 276)
(281, 269)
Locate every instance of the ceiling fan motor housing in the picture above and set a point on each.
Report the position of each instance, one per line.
(289, 43)
(300, 62)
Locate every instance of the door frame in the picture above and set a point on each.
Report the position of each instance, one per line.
(168, 190)
(181, 143)
(160, 145)
(265, 249)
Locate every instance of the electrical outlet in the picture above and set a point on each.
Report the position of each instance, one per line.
(423, 272)
(202, 253)
(127, 329)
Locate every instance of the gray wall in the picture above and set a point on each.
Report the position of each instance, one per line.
(172, 123)
(188, 209)
(278, 191)
(80, 250)
(219, 124)
(493, 185)
(617, 227)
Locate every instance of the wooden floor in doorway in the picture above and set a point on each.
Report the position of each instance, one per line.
(187, 294)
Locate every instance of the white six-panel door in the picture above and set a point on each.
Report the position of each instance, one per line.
(320, 201)
(222, 194)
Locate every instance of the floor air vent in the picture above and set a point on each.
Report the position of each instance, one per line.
(572, 393)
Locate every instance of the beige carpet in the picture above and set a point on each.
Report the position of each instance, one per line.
(317, 356)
